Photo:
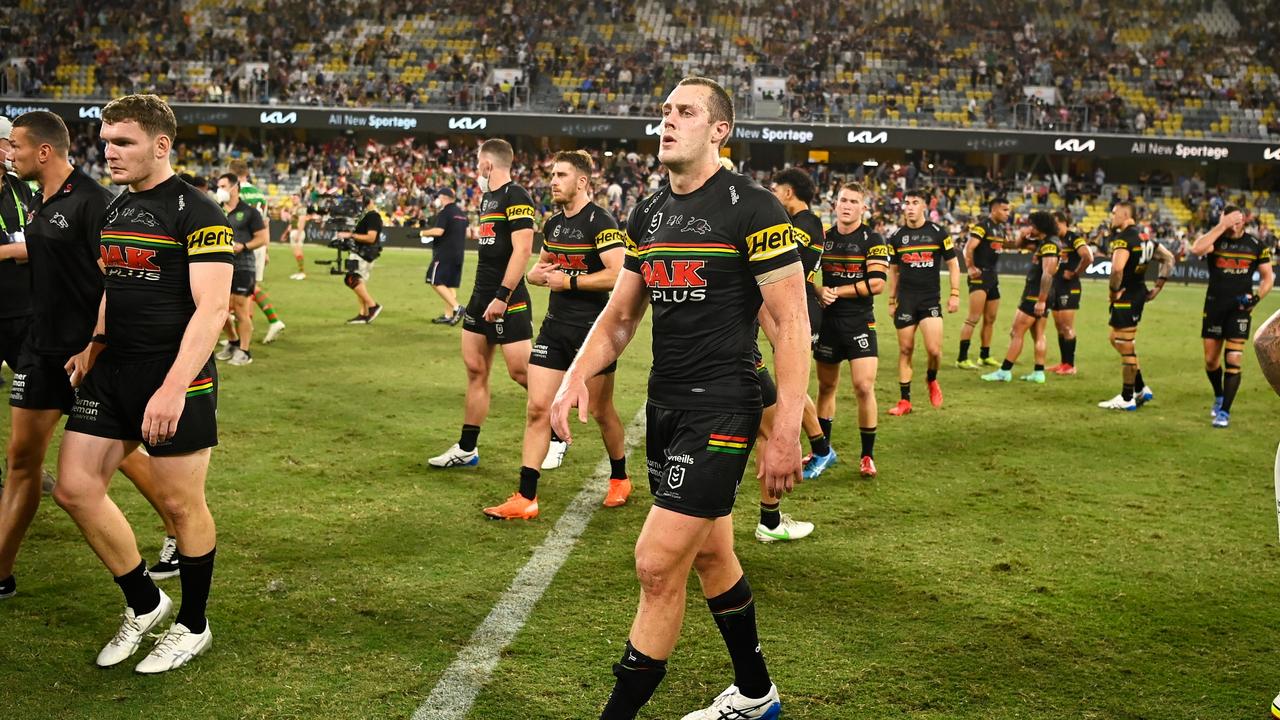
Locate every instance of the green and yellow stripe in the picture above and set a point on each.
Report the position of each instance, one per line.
(729, 444)
(203, 386)
(143, 239)
(682, 249)
(492, 217)
(518, 308)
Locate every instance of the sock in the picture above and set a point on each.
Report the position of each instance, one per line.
(140, 591)
(1007, 365)
(770, 515)
(1062, 349)
(868, 441)
(1069, 352)
(261, 297)
(618, 468)
(1215, 379)
(1230, 385)
(984, 353)
(529, 482)
(555, 437)
(819, 444)
(904, 390)
(470, 434)
(931, 375)
(196, 574)
(1039, 368)
(964, 350)
(1138, 382)
(1127, 391)
(735, 615)
(637, 676)
(825, 424)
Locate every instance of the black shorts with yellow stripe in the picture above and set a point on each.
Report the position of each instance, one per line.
(696, 458)
(1127, 311)
(988, 283)
(1065, 294)
(846, 338)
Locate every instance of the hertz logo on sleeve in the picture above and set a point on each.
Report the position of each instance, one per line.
(610, 237)
(213, 238)
(770, 242)
(516, 212)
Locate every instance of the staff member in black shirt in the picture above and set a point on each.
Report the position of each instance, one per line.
(445, 273)
(15, 275)
(360, 264)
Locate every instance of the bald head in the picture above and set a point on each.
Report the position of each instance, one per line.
(1266, 343)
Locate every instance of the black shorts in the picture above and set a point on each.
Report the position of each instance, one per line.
(40, 382)
(912, 309)
(768, 388)
(1225, 320)
(815, 320)
(696, 458)
(516, 325)
(13, 335)
(1029, 306)
(112, 399)
(445, 272)
(558, 344)
(242, 281)
(988, 283)
(1127, 311)
(1065, 294)
(846, 338)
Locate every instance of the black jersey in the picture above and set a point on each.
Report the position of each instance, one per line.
(244, 220)
(1069, 252)
(15, 277)
(1232, 262)
(1140, 250)
(502, 212)
(66, 282)
(920, 254)
(576, 244)
(701, 256)
(149, 240)
(989, 237)
(808, 233)
(1049, 247)
(844, 262)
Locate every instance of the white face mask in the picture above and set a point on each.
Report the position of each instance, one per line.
(483, 182)
(223, 196)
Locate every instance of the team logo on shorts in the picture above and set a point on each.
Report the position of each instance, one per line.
(675, 477)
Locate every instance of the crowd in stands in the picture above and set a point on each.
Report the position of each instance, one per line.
(1189, 67)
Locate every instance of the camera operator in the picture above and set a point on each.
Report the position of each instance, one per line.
(250, 232)
(367, 248)
(15, 275)
(445, 274)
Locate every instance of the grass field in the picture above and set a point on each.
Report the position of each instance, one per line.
(1022, 554)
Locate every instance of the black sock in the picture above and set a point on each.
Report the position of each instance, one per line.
(1126, 392)
(529, 482)
(1062, 349)
(904, 389)
(964, 350)
(868, 441)
(1007, 365)
(735, 615)
(819, 444)
(931, 375)
(637, 676)
(1230, 385)
(470, 434)
(555, 437)
(1069, 354)
(984, 353)
(618, 468)
(1039, 367)
(1138, 382)
(770, 515)
(1215, 379)
(196, 575)
(825, 424)
(140, 591)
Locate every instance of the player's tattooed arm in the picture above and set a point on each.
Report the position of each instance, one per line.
(1165, 261)
(1266, 344)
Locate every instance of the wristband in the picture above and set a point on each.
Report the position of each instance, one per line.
(100, 338)
(502, 293)
(573, 282)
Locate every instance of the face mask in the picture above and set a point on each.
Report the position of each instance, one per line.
(8, 165)
(223, 195)
(483, 182)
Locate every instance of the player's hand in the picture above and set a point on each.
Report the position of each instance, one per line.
(953, 304)
(160, 419)
(1231, 218)
(1068, 275)
(1247, 301)
(827, 295)
(572, 393)
(557, 280)
(1039, 309)
(1152, 293)
(495, 310)
(779, 464)
(80, 364)
(975, 272)
(538, 275)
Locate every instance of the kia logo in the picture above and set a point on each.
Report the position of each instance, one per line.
(278, 118)
(653, 129)
(1073, 145)
(90, 112)
(467, 123)
(866, 137)
(1270, 154)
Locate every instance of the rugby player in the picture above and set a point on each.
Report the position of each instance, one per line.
(1064, 300)
(774, 525)
(498, 314)
(1266, 345)
(250, 233)
(1032, 313)
(918, 250)
(795, 190)
(449, 236)
(253, 197)
(981, 258)
(580, 259)
(1131, 252)
(1233, 256)
(15, 273)
(706, 290)
(855, 265)
(148, 377)
(297, 223)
